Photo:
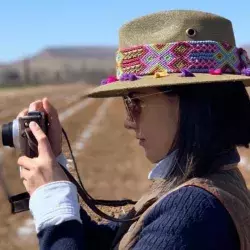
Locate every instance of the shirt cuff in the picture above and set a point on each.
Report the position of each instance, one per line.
(54, 203)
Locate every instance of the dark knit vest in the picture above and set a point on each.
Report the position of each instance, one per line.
(227, 185)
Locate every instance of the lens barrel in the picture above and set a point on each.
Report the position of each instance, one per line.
(7, 134)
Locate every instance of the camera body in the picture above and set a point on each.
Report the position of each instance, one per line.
(17, 133)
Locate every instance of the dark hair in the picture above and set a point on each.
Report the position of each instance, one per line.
(213, 118)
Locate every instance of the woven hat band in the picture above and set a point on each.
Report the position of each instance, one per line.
(195, 56)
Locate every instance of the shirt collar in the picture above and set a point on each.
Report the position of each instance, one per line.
(163, 168)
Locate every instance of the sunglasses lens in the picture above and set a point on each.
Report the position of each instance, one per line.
(132, 107)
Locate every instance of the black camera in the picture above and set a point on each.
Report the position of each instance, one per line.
(17, 133)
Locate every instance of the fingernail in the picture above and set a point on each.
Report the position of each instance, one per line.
(33, 124)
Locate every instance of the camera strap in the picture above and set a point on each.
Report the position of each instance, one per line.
(92, 203)
(20, 202)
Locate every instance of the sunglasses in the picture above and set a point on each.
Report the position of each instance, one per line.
(134, 104)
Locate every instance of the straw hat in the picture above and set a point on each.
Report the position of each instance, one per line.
(175, 48)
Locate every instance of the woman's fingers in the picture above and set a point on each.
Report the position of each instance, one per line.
(36, 106)
(24, 173)
(55, 129)
(25, 163)
(44, 148)
(24, 112)
(54, 122)
(49, 108)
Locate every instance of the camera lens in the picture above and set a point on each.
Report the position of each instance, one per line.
(7, 135)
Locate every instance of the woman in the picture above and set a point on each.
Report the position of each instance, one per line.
(189, 124)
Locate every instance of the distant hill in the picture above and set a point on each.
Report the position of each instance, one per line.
(59, 62)
(54, 58)
(81, 52)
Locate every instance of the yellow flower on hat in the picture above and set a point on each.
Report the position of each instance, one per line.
(161, 74)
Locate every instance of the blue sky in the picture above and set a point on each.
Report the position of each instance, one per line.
(28, 26)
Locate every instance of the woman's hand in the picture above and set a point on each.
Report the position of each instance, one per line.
(43, 169)
(54, 129)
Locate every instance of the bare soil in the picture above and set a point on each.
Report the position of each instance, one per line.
(111, 164)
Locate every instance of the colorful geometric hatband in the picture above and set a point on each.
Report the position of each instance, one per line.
(194, 56)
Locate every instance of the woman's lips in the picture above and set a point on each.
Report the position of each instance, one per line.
(141, 142)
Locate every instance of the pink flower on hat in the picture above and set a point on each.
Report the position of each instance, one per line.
(215, 72)
(110, 79)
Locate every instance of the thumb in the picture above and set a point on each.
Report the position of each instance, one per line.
(44, 147)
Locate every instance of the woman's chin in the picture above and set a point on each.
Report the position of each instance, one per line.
(152, 158)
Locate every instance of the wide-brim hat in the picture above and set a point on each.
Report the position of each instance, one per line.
(175, 48)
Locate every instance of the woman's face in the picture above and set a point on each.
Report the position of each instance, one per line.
(154, 118)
